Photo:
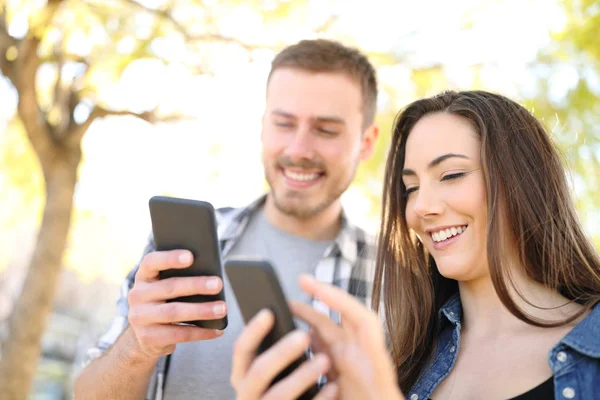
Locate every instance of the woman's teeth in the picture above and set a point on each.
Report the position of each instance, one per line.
(445, 234)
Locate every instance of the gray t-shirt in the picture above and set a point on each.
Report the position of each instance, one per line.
(201, 370)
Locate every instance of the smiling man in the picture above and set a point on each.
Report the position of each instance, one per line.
(318, 125)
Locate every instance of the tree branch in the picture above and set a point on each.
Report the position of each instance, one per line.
(39, 131)
(29, 110)
(60, 96)
(102, 112)
(6, 42)
(207, 37)
(65, 58)
(325, 26)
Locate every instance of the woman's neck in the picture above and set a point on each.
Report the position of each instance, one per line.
(485, 314)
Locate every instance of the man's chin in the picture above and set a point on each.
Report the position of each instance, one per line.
(296, 210)
(299, 208)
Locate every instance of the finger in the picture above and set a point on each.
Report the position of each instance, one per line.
(352, 310)
(157, 261)
(269, 364)
(160, 336)
(172, 288)
(300, 380)
(246, 345)
(168, 313)
(317, 345)
(329, 336)
(328, 331)
(328, 392)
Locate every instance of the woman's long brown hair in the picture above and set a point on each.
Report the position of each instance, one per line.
(528, 200)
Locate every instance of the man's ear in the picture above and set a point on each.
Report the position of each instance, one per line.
(262, 126)
(369, 140)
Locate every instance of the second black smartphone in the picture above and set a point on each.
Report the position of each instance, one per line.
(256, 286)
(190, 225)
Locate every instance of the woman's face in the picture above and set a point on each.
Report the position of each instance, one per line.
(445, 194)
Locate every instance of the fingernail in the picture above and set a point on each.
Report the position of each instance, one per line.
(219, 331)
(219, 309)
(185, 258)
(212, 283)
(262, 314)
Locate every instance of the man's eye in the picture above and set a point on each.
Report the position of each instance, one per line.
(283, 124)
(327, 131)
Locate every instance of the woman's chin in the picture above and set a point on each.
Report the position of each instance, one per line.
(456, 272)
(462, 274)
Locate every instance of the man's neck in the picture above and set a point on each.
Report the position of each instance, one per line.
(322, 226)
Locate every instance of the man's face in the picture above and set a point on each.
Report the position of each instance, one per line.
(313, 139)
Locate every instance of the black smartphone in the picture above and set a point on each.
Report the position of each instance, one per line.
(190, 225)
(256, 286)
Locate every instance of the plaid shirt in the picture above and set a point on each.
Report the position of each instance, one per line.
(348, 263)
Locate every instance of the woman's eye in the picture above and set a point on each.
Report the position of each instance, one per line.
(408, 191)
(450, 177)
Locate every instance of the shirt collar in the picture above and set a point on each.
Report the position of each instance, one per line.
(451, 311)
(344, 244)
(584, 337)
(239, 219)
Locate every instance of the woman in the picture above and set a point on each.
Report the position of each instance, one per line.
(490, 286)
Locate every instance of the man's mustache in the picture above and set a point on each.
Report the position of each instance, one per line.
(303, 164)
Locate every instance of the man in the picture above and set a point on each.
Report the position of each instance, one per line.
(317, 127)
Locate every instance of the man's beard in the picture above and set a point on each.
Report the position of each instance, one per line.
(298, 207)
(304, 211)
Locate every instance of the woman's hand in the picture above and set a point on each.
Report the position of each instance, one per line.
(353, 355)
(252, 374)
(362, 366)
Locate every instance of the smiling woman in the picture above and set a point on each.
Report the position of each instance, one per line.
(481, 252)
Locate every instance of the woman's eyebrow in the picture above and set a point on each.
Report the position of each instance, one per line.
(436, 161)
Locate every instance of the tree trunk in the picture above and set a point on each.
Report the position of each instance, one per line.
(21, 349)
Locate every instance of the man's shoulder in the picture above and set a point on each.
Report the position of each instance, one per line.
(228, 215)
(225, 214)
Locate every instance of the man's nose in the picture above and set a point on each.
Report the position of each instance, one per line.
(301, 145)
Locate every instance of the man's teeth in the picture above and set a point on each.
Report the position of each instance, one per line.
(444, 234)
(301, 177)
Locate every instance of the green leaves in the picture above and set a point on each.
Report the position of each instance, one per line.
(575, 117)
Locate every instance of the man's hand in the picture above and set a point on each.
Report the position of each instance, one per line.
(154, 321)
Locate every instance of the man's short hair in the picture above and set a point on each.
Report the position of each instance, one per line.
(323, 55)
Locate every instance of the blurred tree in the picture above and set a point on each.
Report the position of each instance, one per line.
(568, 100)
(63, 58)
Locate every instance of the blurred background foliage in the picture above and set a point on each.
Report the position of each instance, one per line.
(165, 97)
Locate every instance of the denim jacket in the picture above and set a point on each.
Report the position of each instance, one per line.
(574, 361)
